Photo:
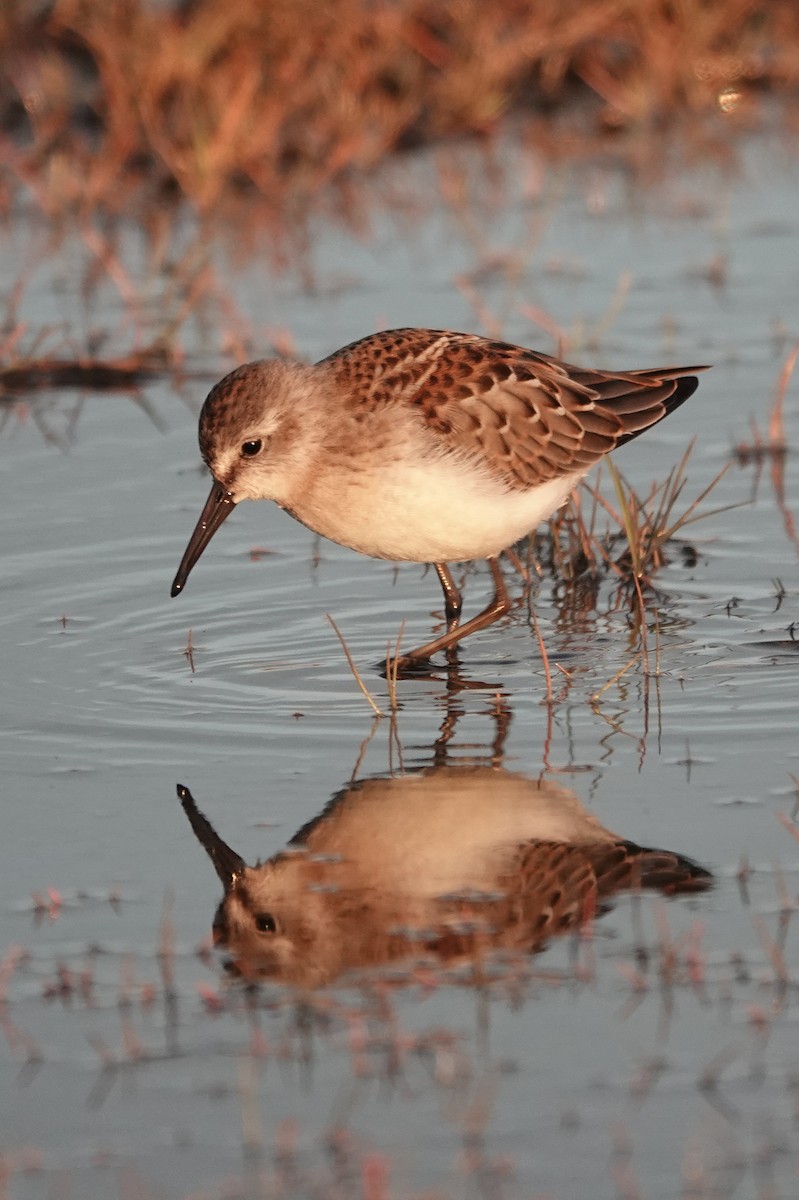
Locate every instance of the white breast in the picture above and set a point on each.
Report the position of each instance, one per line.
(435, 510)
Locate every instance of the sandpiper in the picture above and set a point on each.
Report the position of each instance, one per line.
(420, 445)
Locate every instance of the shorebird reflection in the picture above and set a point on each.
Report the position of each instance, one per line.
(451, 861)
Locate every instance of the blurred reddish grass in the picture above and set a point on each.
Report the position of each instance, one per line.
(104, 104)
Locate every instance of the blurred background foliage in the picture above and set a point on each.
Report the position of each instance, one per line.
(113, 102)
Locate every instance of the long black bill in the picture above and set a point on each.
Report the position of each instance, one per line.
(227, 863)
(220, 504)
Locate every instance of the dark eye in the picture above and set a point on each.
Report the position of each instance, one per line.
(265, 923)
(250, 449)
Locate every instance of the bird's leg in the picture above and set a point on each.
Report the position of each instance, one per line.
(499, 605)
(453, 601)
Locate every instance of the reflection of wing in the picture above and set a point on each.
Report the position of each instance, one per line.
(551, 888)
(451, 861)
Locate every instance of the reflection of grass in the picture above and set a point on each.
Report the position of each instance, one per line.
(773, 448)
(284, 96)
(145, 313)
(49, 360)
(160, 1013)
(773, 445)
(51, 356)
(100, 374)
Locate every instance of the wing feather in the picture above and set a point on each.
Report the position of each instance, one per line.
(525, 417)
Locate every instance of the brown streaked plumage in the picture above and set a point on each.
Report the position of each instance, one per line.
(450, 861)
(421, 445)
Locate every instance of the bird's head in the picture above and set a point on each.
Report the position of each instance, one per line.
(254, 438)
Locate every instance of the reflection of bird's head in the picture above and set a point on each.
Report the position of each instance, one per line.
(449, 859)
(279, 920)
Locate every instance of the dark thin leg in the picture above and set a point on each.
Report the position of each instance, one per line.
(497, 608)
(452, 597)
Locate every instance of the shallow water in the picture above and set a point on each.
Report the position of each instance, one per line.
(588, 1072)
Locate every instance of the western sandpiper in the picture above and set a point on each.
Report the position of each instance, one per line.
(420, 445)
(450, 861)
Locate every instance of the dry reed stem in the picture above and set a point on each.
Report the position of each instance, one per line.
(189, 651)
(597, 696)
(392, 670)
(544, 657)
(355, 672)
(648, 524)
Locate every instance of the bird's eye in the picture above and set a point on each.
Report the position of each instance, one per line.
(265, 923)
(251, 448)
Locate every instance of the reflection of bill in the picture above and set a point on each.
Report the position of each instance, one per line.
(450, 862)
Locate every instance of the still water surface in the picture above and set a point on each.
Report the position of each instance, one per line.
(658, 1058)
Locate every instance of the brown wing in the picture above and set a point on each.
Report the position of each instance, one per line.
(526, 416)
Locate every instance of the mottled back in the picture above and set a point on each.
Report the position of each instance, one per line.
(525, 416)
